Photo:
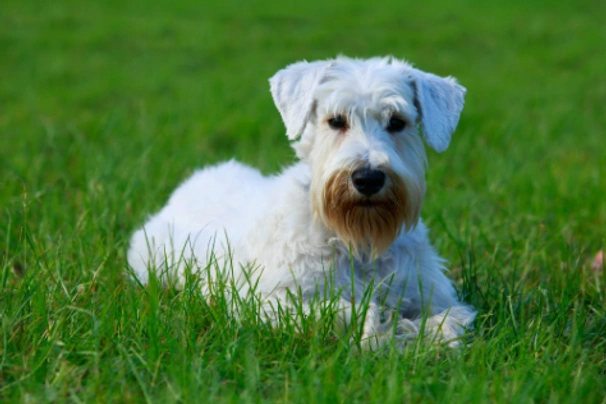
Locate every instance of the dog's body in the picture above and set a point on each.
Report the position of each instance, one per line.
(347, 214)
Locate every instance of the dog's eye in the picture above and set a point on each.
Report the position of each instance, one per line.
(395, 125)
(337, 123)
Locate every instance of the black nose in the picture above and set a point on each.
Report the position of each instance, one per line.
(368, 181)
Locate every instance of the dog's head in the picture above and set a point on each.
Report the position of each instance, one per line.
(355, 123)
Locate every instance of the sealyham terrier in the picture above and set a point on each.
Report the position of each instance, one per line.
(343, 221)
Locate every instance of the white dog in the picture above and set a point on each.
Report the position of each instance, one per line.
(341, 220)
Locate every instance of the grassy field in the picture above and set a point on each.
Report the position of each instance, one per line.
(105, 106)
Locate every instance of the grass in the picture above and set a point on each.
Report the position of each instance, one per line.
(106, 106)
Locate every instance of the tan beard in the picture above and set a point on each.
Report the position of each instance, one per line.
(370, 223)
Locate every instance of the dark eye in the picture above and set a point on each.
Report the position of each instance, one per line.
(337, 123)
(395, 125)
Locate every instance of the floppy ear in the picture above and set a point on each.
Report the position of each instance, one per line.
(439, 102)
(292, 89)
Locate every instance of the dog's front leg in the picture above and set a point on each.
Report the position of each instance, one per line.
(447, 326)
(366, 322)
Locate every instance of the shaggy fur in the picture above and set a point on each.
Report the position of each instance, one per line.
(303, 227)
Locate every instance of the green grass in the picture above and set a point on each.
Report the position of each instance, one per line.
(106, 106)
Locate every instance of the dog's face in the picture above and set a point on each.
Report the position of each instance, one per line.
(356, 125)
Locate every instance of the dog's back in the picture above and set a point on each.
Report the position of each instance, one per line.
(210, 213)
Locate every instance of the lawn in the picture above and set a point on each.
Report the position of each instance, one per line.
(106, 106)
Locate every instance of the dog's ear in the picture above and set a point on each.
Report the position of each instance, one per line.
(292, 89)
(439, 102)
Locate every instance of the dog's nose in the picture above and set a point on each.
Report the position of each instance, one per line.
(368, 181)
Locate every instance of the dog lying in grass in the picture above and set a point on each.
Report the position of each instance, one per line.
(343, 221)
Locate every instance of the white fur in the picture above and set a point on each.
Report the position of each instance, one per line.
(233, 215)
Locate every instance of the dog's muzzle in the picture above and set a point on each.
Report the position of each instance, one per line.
(368, 181)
